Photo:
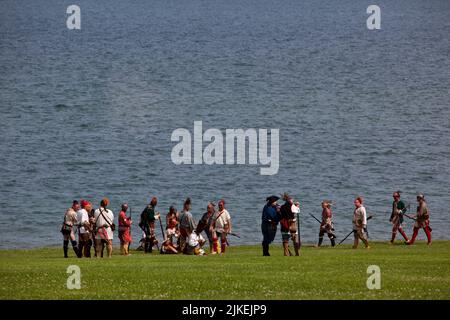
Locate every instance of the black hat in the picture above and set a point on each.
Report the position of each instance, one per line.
(272, 199)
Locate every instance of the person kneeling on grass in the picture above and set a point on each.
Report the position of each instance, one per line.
(360, 223)
(169, 246)
(194, 244)
(104, 219)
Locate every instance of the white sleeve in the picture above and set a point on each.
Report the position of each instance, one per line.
(364, 215)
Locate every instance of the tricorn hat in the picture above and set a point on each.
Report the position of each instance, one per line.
(272, 199)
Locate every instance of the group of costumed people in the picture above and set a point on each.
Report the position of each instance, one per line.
(181, 234)
(287, 215)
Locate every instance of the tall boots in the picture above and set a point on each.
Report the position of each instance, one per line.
(265, 249)
(223, 245)
(394, 234)
(333, 242)
(75, 248)
(216, 249)
(320, 241)
(415, 233)
(66, 248)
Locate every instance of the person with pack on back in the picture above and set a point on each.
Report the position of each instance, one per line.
(147, 224)
(104, 225)
(70, 220)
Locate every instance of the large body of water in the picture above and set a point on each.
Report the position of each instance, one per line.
(89, 113)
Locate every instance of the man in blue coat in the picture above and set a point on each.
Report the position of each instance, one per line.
(270, 218)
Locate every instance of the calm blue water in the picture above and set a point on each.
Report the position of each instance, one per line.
(89, 113)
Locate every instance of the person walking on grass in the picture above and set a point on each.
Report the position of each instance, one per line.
(360, 223)
(187, 224)
(269, 224)
(104, 224)
(327, 224)
(288, 226)
(422, 218)
(124, 230)
(70, 220)
(398, 209)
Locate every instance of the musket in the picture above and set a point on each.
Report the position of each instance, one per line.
(130, 226)
(162, 229)
(368, 218)
(299, 243)
(315, 218)
(234, 234)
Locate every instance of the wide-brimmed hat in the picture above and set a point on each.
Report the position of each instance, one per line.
(272, 199)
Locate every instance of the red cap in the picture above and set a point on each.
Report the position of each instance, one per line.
(84, 203)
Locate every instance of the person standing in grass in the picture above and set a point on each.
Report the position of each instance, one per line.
(124, 230)
(147, 224)
(270, 218)
(327, 224)
(222, 225)
(187, 224)
(84, 228)
(288, 226)
(422, 218)
(205, 224)
(398, 209)
(104, 223)
(360, 223)
(70, 220)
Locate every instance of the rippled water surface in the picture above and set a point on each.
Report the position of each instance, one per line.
(89, 113)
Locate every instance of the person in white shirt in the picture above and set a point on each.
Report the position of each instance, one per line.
(84, 233)
(221, 225)
(194, 244)
(104, 224)
(360, 223)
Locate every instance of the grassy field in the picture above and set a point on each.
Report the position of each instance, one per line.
(415, 272)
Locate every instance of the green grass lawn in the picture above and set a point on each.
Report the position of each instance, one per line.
(415, 272)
